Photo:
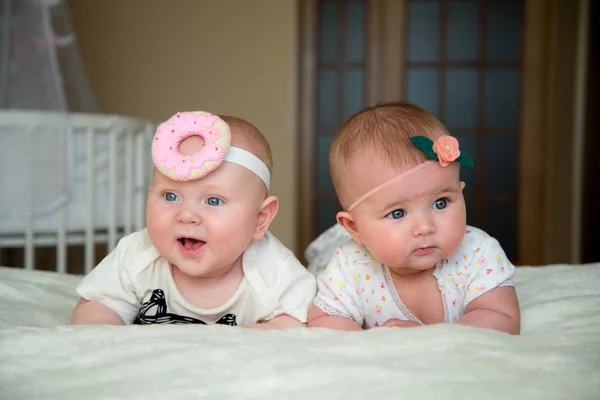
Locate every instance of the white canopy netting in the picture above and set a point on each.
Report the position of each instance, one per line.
(42, 80)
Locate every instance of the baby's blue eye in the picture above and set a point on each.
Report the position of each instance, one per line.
(440, 204)
(170, 196)
(214, 201)
(396, 214)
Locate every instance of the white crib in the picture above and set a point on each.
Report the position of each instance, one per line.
(93, 192)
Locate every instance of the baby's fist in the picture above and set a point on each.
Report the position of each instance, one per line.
(399, 323)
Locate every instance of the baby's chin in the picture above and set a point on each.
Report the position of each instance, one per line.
(412, 266)
(412, 270)
(190, 271)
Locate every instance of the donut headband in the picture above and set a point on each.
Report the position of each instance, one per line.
(216, 148)
(444, 150)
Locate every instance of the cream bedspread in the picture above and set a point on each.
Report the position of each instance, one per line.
(556, 357)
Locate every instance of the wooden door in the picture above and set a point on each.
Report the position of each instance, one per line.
(489, 69)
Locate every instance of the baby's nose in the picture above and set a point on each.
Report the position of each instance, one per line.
(188, 215)
(423, 224)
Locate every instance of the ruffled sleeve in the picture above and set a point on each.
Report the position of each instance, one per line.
(489, 268)
(337, 290)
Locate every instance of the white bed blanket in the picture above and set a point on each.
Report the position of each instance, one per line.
(556, 357)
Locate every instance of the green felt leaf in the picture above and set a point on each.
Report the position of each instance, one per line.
(464, 159)
(425, 145)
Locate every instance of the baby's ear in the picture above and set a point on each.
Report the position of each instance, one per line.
(345, 219)
(462, 185)
(266, 214)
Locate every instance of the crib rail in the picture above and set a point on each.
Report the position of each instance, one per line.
(129, 174)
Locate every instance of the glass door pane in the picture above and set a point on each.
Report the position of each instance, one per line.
(463, 64)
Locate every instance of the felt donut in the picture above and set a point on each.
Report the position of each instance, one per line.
(183, 167)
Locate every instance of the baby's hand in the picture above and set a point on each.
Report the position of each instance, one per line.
(399, 323)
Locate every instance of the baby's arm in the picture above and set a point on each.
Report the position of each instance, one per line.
(107, 293)
(318, 319)
(497, 309)
(279, 322)
(290, 289)
(94, 313)
(336, 304)
(490, 299)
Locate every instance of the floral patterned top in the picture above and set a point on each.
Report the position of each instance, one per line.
(355, 285)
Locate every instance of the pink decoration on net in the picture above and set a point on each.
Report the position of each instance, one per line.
(43, 43)
(446, 148)
(170, 134)
(19, 49)
(48, 78)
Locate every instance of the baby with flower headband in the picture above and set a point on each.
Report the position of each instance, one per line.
(206, 256)
(411, 259)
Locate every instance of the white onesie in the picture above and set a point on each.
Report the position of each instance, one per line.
(356, 286)
(136, 282)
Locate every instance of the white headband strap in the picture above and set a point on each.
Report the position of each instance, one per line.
(250, 161)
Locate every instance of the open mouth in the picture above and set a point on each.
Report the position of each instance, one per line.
(190, 244)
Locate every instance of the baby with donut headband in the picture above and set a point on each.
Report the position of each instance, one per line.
(206, 255)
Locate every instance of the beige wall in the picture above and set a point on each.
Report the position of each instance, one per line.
(151, 58)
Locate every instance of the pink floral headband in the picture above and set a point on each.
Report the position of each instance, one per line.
(444, 150)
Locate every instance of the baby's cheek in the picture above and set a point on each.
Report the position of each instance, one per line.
(387, 250)
(456, 236)
(158, 227)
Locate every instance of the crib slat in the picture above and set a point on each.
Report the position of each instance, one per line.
(61, 245)
(140, 184)
(129, 165)
(61, 236)
(89, 200)
(29, 248)
(112, 189)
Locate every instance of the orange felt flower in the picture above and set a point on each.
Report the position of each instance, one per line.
(446, 149)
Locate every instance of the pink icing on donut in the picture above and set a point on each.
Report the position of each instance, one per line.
(169, 135)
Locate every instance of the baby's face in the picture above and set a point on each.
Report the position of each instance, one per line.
(203, 226)
(413, 223)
